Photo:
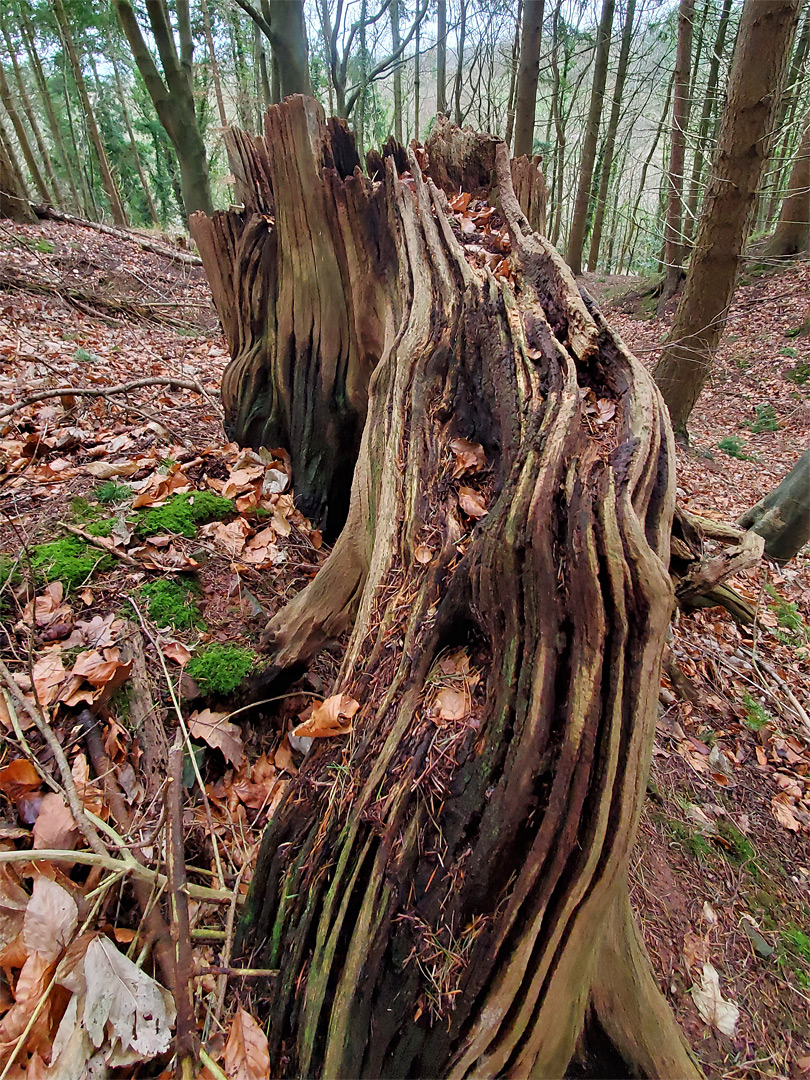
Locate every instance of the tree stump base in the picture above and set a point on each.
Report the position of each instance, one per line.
(444, 887)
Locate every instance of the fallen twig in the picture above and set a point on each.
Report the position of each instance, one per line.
(107, 391)
(185, 1039)
(101, 542)
(121, 234)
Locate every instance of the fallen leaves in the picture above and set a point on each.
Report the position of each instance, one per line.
(711, 1004)
(471, 502)
(216, 730)
(247, 1056)
(328, 718)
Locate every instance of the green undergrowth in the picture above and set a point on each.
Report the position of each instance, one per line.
(793, 954)
(764, 420)
(220, 669)
(800, 374)
(793, 630)
(757, 716)
(183, 513)
(734, 447)
(111, 492)
(171, 603)
(70, 560)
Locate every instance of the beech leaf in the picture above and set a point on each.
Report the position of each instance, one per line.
(50, 919)
(471, 502)
(247, 1056)
(451, 704)
(219, 733)
(330, 717)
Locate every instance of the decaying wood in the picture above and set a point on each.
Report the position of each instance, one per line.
(444, 890)
(170, 253)
(102, 391)
(301, 279)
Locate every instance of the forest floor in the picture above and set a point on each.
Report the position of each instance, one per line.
(114, 516)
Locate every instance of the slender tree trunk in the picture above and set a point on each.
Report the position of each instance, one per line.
(787, 104)
(172, 95)
(528, 74)
(110, 187)
(441, 57)
(47, 105)
(709, 109)
(579, 222)
(212, 53)
(290, 46)
(610, 137)
(122, 98)
(462, 33)
(782, 517)
(758, 68)
(25, 100)
(673, 237)
(628, 248)
(417, 81)
(14, 198)
(513, 74)
(396, 41)
(792, 235)
(447, 897)
(22, 138)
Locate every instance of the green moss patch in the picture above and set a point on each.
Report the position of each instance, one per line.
(171, 603)
(183, 513)
(69, 560)
(220, 669)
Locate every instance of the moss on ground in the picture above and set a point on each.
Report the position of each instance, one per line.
(183, 513)
(220, 669)
(110, 492)
(171, 603)
(69, 560)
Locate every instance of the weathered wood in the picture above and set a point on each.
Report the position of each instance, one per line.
(301, 275)
(448, 897)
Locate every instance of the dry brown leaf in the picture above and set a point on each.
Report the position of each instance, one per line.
(784, 815)
(176, 650)
(283, 758)
(230, 537)
(55, 827)
(330, 717)
(51, 919)
(471, 502)
(247, 1056)
(106, 470)
(19, 778)
(450, 704)
(460, 202)
(423, 554)
(215, 730)
(470, 456)
(48, 674)
(28, 990)
(102, 670)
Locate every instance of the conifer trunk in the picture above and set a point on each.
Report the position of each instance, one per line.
(444, 889)
(792, 234)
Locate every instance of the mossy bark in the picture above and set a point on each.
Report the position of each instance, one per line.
(446, 897)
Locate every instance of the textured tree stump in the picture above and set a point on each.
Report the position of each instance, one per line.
(444, 889)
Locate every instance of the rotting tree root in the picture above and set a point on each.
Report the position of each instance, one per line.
(444, 890)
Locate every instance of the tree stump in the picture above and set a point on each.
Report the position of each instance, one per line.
(444, 887)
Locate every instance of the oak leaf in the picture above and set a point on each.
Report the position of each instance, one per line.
(247, 1055)
(328, 718)
(214, 729)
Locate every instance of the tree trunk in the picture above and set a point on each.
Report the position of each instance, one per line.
(14, 203)
(785, 116)
(22, 138)
(792, 234)
(610, 137)
(290, 46)
(417, 81)
(513, 75)
(462, 33)
(122, 99)
(579, 222)
(444, 889)
(708, 110)
(396, 42)
(212, 53)
(110, 187)
(763, 42)
(782, 517)
(441, 57)
(528, 74)
(673, 235)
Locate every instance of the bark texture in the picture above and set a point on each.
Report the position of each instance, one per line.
(763, 42)
(297, 281)
(792, 234)
(528, 74)
(782, 517)
(448, 897)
